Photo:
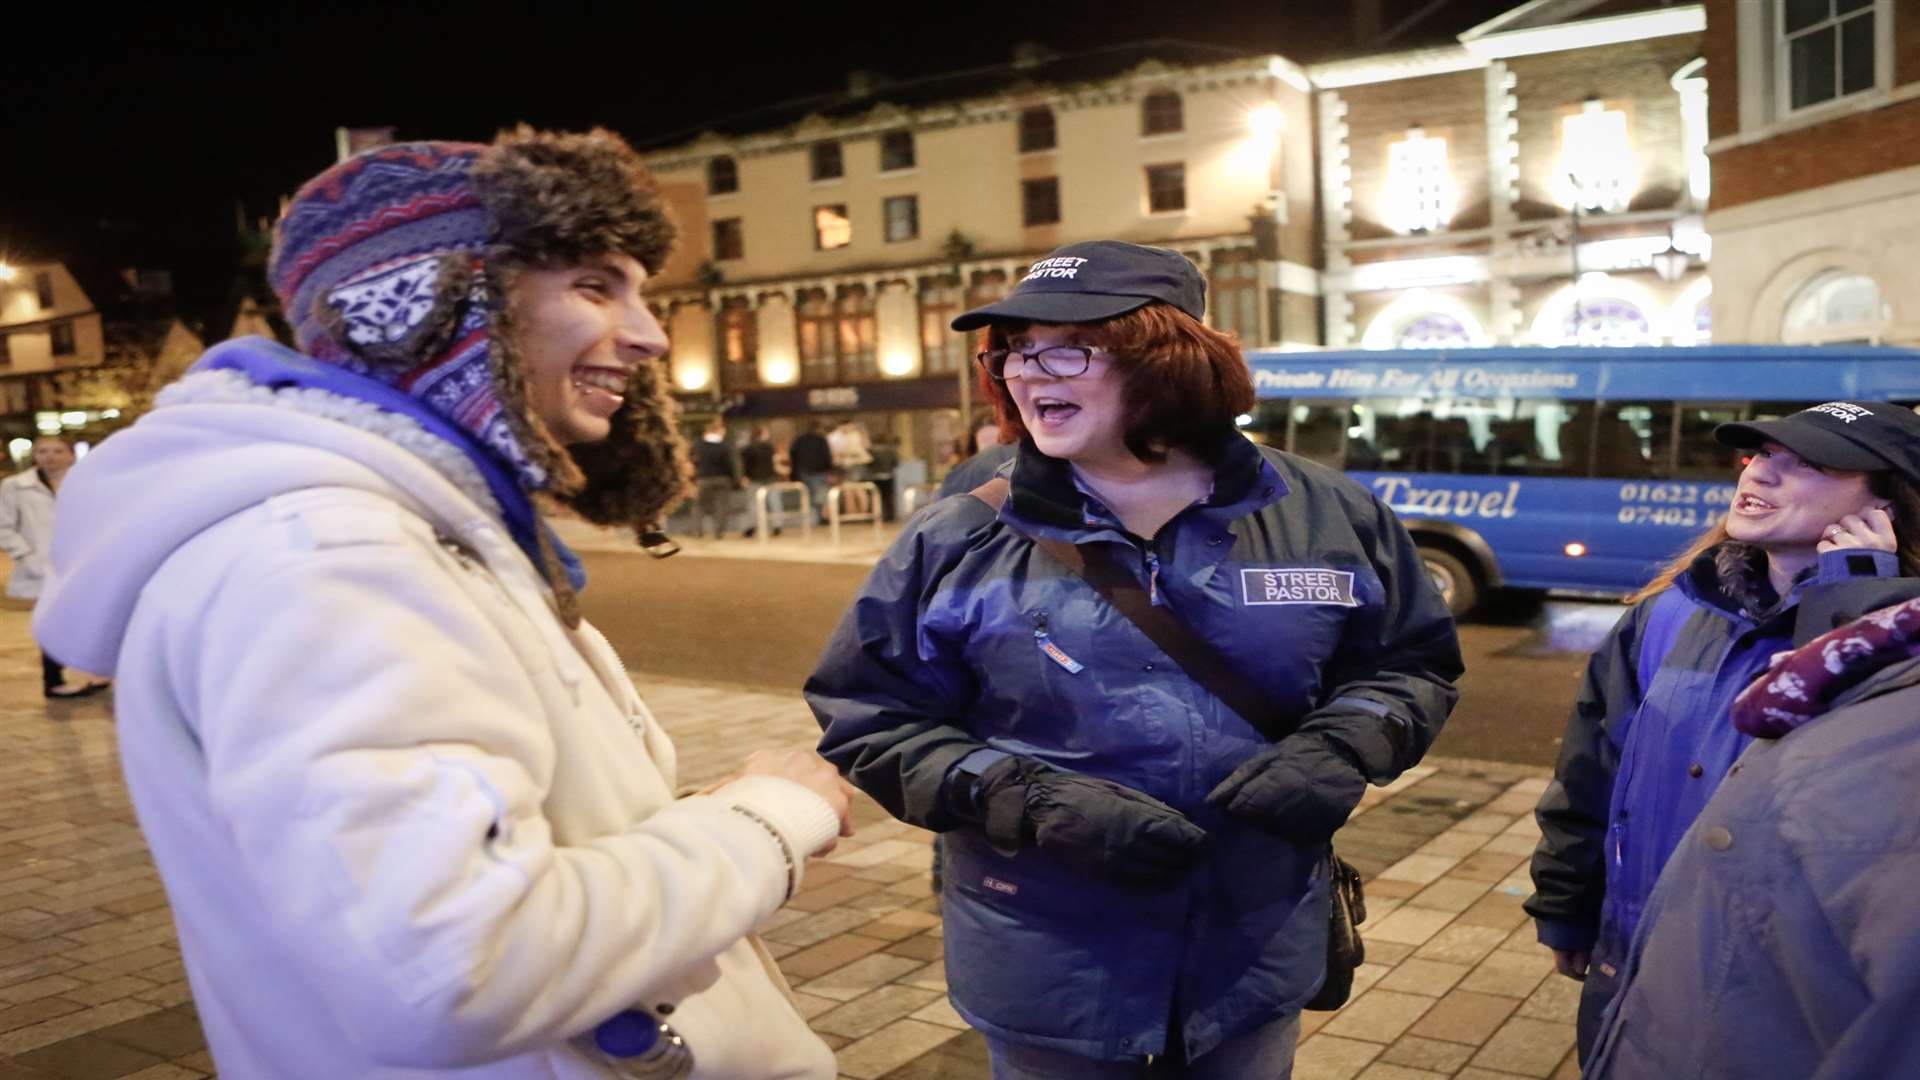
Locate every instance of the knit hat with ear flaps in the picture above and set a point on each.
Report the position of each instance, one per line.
(396, 264)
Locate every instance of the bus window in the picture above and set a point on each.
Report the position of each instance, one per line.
(1700, 457)
(1634, 440)
(1319, 431)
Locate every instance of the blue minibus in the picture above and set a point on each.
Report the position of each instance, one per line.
(1577, 469)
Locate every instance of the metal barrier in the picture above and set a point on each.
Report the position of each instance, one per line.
(838, 492)
(761, 528)
(915, 497)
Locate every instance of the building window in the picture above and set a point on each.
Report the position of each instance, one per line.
(62, 335)
(1835, 306)
(826, 161)
(1040, 201)
(1235, 286)
(1607, 320)
(723, 176)
(832, 228)
(814, 319)
(1598, 168)
(1036, 130)
(739, 342)
(43, 289)
(941, 347)
(1419, 188)
(855, 325)
(902, 213)
(1166, 188)
(896, 151)
(6, 349)
(1161, 114)
(1827, 49)
(728, 241)
(1434, 330)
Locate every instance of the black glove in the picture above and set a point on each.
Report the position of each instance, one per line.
(1302, 787)
(1088, 823)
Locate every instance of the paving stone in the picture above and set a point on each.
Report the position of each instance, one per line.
(168, 1034)
(1484, 822)
(1454, 843)
(889, 1048)
(1387, 952)
(1430, 977)
(1378, 1015)
(921, 948)
(34, 1036)
(872, 1011)
(898, 925)
(32, 989)
(1417, 1053)
(1507, 844)
(1461, 944)
(818, 927)
(1497, 910)
(87, 1057)
(815, 961)
(1381, 1070)
(1421, 869)
(832, 894)
(940, 1011)
(1464, 1017)
(862, 975)
(1329, 1057)
(166, 1071)
(32, 1012)
(1411, 926)
(1556, 998)
(1507, 974)
(1449, 894)
(1526, 1047)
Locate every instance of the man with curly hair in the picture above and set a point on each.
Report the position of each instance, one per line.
(412, 818)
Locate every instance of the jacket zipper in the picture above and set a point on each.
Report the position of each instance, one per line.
(1153, 577)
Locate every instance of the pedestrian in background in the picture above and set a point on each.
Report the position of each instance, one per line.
(412, 818)
(26, 535)
(811, 459)
(1825, 524)
(717, 478)
(1134, 871)
(757, 464)
(1783, 938)
(885, 458)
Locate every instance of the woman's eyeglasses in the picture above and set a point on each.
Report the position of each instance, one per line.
(1059, 361)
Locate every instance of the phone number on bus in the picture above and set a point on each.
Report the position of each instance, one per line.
(1683, 506)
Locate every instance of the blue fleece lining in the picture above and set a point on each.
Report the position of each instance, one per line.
(275, 366)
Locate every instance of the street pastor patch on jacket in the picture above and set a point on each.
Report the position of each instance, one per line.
(1296, 585)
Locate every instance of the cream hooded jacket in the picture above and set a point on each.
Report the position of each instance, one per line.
(410, 824)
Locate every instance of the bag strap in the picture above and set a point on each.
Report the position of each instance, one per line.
(1200, 660)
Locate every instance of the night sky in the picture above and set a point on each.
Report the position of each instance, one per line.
(129, 136)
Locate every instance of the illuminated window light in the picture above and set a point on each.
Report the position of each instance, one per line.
(1598, 168)
(1419, 189)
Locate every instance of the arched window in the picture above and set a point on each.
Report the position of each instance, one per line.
(855, 325)
(1435, 330)
(1607, 320)
(1833, 306)
(1161, 114)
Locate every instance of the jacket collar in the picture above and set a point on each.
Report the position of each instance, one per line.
(1045, 492)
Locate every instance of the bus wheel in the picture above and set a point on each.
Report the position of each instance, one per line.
(1451, 577)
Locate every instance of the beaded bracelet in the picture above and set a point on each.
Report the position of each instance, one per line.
(786, 853)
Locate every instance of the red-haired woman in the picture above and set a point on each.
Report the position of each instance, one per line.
(1134, 873)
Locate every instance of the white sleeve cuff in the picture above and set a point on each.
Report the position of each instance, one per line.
(806, 821)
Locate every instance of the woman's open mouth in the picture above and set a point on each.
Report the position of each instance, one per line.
(1752, 504)
(1053, 410)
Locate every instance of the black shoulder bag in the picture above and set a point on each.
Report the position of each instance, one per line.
(1346, 905)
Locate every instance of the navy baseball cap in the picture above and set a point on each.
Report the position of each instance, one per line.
(1096, 280)
(1864, 436)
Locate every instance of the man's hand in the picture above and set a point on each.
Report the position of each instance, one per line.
(1573, 963)
(811, 771)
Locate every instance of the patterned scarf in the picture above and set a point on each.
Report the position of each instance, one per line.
(1803, 684)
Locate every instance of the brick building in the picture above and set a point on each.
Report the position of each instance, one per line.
(1815, 121)
(1540, 180)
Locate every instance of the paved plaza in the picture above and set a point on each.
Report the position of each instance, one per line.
(91, 984)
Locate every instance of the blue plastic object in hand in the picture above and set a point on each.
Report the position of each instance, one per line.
(628, 1034)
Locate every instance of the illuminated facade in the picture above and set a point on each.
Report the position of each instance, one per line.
(1815, 121)
(1541, 181)
(48, 327)
(826, 244)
